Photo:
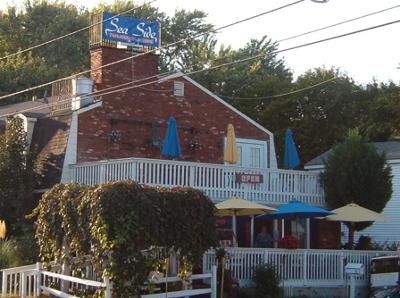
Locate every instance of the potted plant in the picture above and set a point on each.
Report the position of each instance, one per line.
(289, 242)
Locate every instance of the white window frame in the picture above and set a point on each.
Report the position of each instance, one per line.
(265, 162)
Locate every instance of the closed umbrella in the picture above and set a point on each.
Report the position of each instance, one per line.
(171, 146)
(291, 158)
(295, 210)
(239, 207)
(353, 213)
(230, 152)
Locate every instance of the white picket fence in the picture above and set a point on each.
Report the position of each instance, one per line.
(32, 280)
(299, 267)
(212, 290)
(217, 181)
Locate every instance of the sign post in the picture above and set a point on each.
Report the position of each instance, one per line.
(398, 264)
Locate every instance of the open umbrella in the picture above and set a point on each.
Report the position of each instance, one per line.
(352, 213)
(171, 145)
(295, 210)
(230, 152)
(291, 158)
(239, 207)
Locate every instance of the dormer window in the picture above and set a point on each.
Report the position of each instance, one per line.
(179, 88)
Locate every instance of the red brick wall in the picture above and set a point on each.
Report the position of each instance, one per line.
(134, 112)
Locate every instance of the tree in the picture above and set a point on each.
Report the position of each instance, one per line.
(16, 176)
(381, 113)
(320, 116)
(37, 22)
(40, 21)
(356, 173)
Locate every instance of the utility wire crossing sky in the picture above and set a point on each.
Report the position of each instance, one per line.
(374, 54)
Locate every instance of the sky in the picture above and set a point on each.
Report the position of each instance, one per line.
(366, 56)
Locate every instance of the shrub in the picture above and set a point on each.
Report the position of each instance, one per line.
(115, 222)
(9, 254)
(267, 282)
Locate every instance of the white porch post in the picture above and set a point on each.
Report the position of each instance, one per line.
(275, 233)
(234, 228)
(252, 231)
(308, 230)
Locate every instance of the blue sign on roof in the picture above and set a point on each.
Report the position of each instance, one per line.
(131, 30)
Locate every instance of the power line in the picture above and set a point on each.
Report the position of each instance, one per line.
(74, 32)
(283, 94)
(155, 49)
(340, 23)
(101, 93)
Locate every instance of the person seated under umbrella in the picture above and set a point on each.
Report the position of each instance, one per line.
(264, 239)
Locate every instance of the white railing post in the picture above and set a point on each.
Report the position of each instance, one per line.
(23, 284)
(191, 176)
(134, 171)
(214, 281)
(342, 275)
(4, 285)
(265, 257)
(108, 287)
(102, 173)
(305, 278)
(38, 279)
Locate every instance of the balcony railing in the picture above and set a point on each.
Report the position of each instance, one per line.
(218, 181)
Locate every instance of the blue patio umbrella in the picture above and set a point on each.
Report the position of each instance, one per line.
(291, 158)
(171, 146)
(295, 210)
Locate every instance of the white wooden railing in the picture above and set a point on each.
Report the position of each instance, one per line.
(299, 267)
(212, 290)
(33, 280)
(216, 180)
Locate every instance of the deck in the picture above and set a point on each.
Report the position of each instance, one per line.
(218, 181)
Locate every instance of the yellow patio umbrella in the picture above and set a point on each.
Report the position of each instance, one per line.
(230, 152)
(352, 213)
(238, 207)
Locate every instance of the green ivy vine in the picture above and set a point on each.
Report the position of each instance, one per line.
(117, 222)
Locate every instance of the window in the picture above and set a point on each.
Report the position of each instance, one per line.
(239, 152)
(252, 153)
(179, 88)
(255, 157)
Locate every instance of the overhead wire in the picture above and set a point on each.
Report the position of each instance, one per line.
(153, 50)
(339, 23)
(74, 32)
(282, 94)
(177, 75)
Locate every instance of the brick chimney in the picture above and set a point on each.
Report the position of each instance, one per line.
(142, 66)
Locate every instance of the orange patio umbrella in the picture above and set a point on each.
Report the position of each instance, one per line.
(230, 153)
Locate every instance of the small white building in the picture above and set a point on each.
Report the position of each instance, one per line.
(381, 232)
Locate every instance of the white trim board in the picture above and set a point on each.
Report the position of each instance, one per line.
(72, 143)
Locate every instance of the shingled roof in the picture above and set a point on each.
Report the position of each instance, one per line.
(49, 142)
(391, 149)
(32, 109)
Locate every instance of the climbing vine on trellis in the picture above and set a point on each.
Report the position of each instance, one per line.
(115, 222)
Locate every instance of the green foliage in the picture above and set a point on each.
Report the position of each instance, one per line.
(17, 251)
(37, 22)
(356, 172)
(16, 177)
(9, 255)
(267, 282)
(40, 21)
(116, 222)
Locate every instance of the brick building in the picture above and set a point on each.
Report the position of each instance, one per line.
(118, 136)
